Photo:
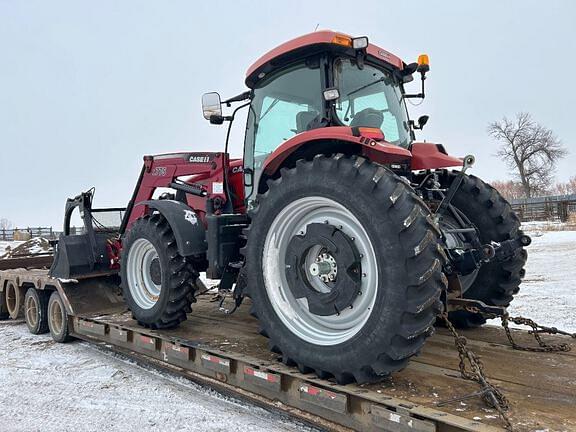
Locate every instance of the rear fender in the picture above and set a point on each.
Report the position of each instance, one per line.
(188, 230)
(307, 144)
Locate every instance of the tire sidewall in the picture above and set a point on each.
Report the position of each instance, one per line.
(32, 292)
(61, 336)
(490, 274)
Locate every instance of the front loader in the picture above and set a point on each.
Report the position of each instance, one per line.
(348, 235)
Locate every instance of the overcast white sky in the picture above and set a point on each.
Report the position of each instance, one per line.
(87, 88)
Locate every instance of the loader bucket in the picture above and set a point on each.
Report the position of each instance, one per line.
(77, 258)
(87, 251)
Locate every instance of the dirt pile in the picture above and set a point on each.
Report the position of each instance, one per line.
(35, 246)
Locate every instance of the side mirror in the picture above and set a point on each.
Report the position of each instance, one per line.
(211, 105)
(422, 120)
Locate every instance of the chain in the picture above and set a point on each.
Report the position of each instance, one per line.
(536, 331)
(490, 394)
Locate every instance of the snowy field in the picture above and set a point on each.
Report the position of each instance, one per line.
(49, 387)
(548, 292)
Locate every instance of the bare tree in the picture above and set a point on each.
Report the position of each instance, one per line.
(5, 223)
(530, 149)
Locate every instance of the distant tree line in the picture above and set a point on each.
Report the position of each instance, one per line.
(5, 223)
(511, 189)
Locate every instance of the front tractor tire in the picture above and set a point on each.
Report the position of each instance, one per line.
(157, 282)
(344, 269)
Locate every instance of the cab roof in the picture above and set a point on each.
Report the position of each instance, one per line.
(310, 44)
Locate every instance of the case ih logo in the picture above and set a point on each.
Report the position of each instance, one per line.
(199, 159)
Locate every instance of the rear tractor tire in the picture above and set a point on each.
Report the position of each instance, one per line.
(36, 311)
(158, 283)
(344, 269)
(58, 319)
(497, 282)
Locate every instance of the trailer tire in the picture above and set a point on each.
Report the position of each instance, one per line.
(397, 269)
(14, 297)
(36, 311)
(496, 282)
(58, 319)
(158, 283)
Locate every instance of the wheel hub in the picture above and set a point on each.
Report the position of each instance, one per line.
(156, 271)
(313, 260)
(324, 267)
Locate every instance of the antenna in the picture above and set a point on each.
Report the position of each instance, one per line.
(316, 28)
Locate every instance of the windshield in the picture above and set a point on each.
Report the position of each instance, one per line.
(371, 97)
(285, 104)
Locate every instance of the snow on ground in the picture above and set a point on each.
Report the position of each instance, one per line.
(547, 294)
(46, 387)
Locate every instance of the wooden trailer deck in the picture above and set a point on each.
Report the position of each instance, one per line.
(541, 387)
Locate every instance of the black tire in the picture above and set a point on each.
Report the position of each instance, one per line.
(177, 275)
(58, 319)
(36, 311)
(496, 282)
(405, 241)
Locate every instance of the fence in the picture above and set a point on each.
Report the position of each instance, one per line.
(551, 208)
(45, 232)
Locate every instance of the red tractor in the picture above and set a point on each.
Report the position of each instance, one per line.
(347, 234)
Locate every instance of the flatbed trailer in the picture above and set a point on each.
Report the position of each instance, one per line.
(226, 352)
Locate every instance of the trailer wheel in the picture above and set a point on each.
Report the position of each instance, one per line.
(494, 283)
(36, 311)
(14, 297)
(158, 283)
(344, 269)
(58, 318)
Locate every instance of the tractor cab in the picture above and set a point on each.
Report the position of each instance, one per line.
(324, 80)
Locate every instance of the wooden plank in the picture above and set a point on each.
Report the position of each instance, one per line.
(537, 402)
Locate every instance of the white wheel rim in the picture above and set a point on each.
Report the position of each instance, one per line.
(140, 283)
(294, 313)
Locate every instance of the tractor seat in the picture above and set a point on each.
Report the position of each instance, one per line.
(368, 117)
(305, 120)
